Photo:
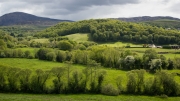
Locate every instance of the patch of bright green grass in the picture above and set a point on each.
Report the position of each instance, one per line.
(32, 50)
(33, 63)
(120, 44)
(79, 37)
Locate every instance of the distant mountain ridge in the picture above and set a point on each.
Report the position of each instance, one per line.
(147, 18)
(20, 18)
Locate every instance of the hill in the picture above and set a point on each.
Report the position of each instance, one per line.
(20, 18)
(160, 21)
(109, 30)
(147, 18)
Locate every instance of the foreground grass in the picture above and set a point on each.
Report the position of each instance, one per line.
(81, 97)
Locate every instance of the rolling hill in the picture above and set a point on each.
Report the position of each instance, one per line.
(159, 21)
(147, 18)
(20, 18)
(109, 30)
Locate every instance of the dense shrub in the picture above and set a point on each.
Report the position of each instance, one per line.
(60, 56)
(109, 90)
(42, 53)
(65, 45)
(51, 56)
(38, 81)
(166, 46)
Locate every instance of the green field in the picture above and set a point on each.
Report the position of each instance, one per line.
(32, 63)
(79, 37)
(140, 51)
(120, 44)
(81, 97)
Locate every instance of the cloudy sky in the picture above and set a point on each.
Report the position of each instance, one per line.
(89, 9)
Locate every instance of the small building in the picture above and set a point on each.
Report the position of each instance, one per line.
(152, 46)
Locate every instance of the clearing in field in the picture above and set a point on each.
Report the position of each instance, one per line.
(79, 37)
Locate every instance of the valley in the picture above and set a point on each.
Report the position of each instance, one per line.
(96, 57)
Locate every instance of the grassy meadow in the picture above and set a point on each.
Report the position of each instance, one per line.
(79, 37)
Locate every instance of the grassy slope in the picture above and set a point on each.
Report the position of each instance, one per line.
(80, 97)
(32, 63)
(79, 37)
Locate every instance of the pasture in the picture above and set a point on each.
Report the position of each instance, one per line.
(79, 37)
(169, 53)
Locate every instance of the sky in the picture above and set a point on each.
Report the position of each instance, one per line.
(92, 9)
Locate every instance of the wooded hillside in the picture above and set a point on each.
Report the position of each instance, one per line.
(108, 30)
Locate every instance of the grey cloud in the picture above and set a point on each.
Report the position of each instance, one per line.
(73, 6)
(61, 8)
(175, 8)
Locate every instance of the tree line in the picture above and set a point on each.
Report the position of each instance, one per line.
(65, 80)
(108, 30)
(109, 57)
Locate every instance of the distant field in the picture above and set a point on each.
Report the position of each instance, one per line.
(120, 44)
(32, 63)
(79, 37)
(81, 97)
(140, 51)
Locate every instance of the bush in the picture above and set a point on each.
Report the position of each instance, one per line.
(131, 83)
(109, 90)
(65, 45)
(60, 56)
(41, 53)
(2, 54)
(27, 53)
(30, 56)
(51, 56)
